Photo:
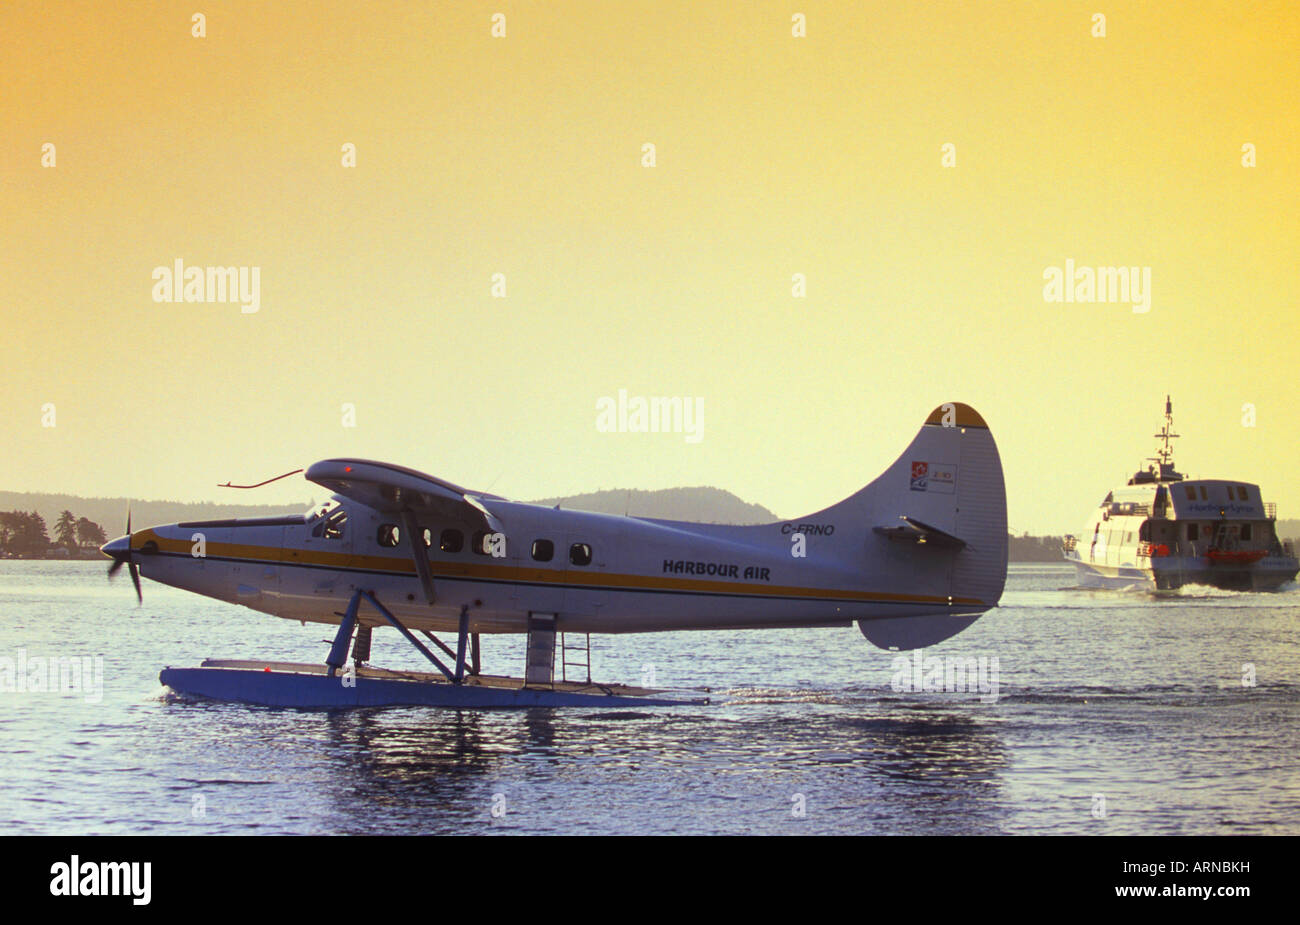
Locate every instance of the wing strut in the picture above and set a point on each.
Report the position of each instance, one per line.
(416, 540)
(339, 651)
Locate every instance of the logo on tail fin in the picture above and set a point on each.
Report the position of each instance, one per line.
(940, 477)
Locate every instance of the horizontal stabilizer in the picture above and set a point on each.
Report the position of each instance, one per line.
(919, 532)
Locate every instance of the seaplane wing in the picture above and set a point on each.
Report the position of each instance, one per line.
(392, 489)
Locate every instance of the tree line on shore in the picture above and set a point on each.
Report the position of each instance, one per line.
(1026, 548)
(25, 535)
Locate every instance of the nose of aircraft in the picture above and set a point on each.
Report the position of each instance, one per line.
(118, 549)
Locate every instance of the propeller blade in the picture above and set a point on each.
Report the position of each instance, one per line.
(120, 551)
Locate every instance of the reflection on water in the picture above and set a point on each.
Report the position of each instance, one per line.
(419, 771)
(1139, 700)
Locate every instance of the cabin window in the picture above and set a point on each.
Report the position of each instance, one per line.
(451, 540)
(543, 550)
(1245, 532)
(389, 535)
(1191, 492)
(1191, 531)
(1204, 495)
(580, 554)
(334, 525)
(1242, 494)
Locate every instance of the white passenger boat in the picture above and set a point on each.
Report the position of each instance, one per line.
(1163, 530)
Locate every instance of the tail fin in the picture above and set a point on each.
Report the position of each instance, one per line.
(936, 527)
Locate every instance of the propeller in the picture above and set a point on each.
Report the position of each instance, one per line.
(119, 550)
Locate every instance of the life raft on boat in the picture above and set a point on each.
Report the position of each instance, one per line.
(1235, 556)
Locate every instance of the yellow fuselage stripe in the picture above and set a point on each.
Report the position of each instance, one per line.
(271, 555)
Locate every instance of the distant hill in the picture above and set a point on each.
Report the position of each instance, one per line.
(702, 505)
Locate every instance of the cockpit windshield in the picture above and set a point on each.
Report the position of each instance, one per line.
(317, 511)
(328, 521)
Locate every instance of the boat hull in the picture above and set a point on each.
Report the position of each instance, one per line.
(1172, 572)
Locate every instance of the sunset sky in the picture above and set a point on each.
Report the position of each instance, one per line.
(522, 155)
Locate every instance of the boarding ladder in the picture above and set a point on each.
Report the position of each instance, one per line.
(582, 655)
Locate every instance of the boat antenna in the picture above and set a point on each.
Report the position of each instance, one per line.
(1165, 454)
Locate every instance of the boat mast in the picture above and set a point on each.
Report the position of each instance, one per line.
(1165, 453)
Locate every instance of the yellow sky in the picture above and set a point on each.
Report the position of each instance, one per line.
(522, 155)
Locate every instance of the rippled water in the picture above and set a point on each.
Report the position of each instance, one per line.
(1128, 697)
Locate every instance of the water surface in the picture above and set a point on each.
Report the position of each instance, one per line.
(1102, 696)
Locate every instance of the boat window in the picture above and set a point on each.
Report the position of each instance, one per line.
(1191, 531)
(543, 550)
(1191, 492)
(451, 540)
(389, 535)
(580, 554)
(1242, 494)
(334, 525)
(1245, 532)
(1204, 496)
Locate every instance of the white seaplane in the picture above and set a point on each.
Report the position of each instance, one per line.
(913, 558)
